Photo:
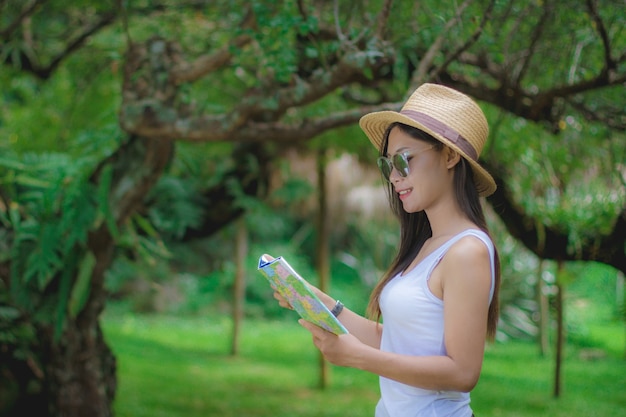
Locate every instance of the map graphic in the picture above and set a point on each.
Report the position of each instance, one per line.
(286, 281)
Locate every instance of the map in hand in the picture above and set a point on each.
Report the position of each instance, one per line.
(286, 281)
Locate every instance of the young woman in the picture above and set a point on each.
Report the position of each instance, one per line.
(438, 300)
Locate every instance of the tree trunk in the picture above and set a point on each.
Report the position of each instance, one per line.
(80, 369)
(81, 372)
(78, 375)
(322, 250)
(559, 331)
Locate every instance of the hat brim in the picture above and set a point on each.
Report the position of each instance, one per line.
(375, 124)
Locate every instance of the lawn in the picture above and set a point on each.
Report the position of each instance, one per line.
(172, 366)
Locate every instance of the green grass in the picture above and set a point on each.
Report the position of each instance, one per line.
(517, 382)
(170, 366)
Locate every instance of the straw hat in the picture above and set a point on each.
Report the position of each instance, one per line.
(447, 115)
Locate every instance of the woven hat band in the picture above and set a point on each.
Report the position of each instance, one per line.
(445, 131)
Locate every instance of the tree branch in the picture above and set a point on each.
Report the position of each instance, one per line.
(472, 40)
(383, 17)
(609, 64)
(614, 118)
(534, 42)
(537, 107)
(484, 63)
(144, 115)
(306, 129)
(105, 20)
(550, 243)
(27, 63)
(208, 63)
(420, 74)
(29, 10)
(188, 72)
(213, 128)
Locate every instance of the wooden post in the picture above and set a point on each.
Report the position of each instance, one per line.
(543, 311)
(560, 288)
(322, 249)
(542, 300)
(239, 290)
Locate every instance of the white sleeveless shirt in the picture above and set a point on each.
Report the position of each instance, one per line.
(413, 325)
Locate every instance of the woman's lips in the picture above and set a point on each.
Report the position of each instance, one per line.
(404, 193)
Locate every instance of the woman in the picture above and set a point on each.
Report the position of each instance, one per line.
(438, 300)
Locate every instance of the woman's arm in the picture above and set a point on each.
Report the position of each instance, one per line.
(367, 331)
(465, 278)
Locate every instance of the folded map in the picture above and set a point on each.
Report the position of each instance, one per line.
(286, 281)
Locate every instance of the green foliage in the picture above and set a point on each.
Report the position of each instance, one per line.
(279, 23)
(53, 135)
(70, 114)
(13, 329)
(519, 275)
(52, 208)
(155, 272)
(80, 291)
(176, 205)
(596, 297)
(579, 191)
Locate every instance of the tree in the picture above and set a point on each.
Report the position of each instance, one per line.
(260, 77)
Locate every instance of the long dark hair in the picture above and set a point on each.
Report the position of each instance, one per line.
(415, 227)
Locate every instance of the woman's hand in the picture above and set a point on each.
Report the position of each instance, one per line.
(282, 301)
(339, 350)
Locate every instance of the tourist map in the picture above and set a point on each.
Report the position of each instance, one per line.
(286, 281)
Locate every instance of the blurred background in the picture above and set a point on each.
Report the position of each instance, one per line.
(152, 150)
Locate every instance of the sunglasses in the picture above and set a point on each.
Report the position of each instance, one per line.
(399, 161)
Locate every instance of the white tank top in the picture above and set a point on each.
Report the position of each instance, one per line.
(413, 325)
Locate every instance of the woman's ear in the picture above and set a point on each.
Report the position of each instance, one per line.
(452, 157)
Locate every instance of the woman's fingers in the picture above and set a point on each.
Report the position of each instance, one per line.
(282, 301)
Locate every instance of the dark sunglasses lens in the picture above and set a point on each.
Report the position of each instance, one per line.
(385, 166)
(401, 164)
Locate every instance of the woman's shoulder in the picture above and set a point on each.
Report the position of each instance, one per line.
(469, 247)
(473, 237)
(467, 263)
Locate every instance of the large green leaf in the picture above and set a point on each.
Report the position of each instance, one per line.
(80, 289)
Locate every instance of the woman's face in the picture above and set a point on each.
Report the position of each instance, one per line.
(428, 176)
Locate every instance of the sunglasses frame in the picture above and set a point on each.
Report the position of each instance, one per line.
(386, 165)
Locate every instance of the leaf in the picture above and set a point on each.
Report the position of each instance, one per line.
(144, 224)
(367, 71)
(106, 178)
(46, 260)
(64, 291)
(30, 181)
(14, 214)
(82, 286)
(9, 313)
